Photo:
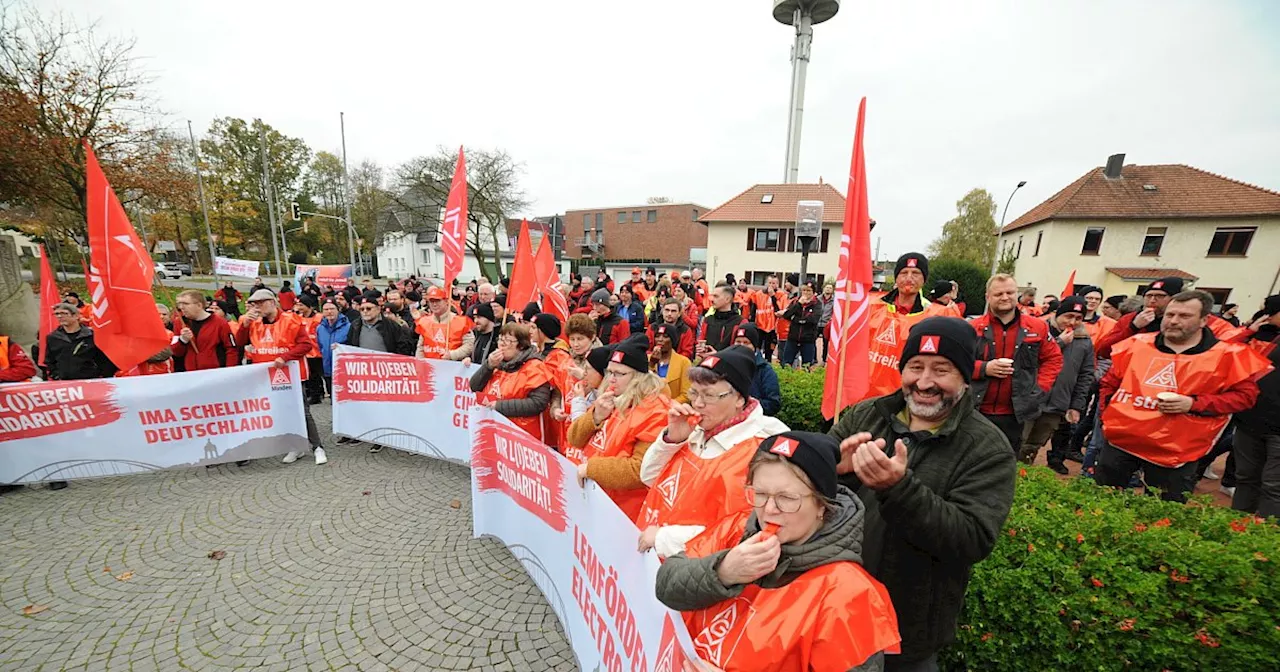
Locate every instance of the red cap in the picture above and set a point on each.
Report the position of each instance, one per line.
(436, 294)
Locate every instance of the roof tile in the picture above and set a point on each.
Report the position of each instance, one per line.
(1151, 273)
(747, 206)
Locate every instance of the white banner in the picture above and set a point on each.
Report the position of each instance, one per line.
(578, 547)
(239, 268)
(63, 430)
(415, 405)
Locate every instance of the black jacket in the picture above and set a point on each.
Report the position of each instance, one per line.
(485, 345)
(399, 340)
(804, 321)
(1264, 417)
(924, 534)
(75, 357)
(718, 328)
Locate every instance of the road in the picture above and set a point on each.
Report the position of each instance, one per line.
(360, 564)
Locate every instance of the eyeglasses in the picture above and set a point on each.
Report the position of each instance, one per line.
(698, 397)
(508, 339)
(786, 503)
(618, 374)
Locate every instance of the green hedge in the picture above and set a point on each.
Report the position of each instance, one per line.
(1087, 578)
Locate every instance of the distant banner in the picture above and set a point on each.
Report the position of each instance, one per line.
(332, 274)
(578, 547)
(63, 430)
(415, 405)
(238, 268)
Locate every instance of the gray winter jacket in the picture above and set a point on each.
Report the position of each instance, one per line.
(1071, 388)
(537, 401)
(689, 584)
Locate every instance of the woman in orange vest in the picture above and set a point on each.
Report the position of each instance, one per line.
(625, 419)
(696, 469)
(514, 381)
(781, 587)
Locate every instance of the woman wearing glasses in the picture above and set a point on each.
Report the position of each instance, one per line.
(514, 381)
(781, 585)
(613, 435)
(697, 468)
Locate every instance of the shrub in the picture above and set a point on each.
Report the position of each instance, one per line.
(971, 277)
(1087, 578)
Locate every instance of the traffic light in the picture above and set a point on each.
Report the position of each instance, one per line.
(295, 211)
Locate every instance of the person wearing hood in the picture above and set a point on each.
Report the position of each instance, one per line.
(891, 320)
(764, 384)
(332, 330)
(695, 470)
(1069, 397)
(514, 381)
(611, 438)
(788, 571)
(716, 333)
(610, 326)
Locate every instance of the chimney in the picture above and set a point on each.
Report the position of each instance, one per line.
(1114, 163)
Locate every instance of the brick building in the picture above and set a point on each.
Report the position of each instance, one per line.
(659, 234)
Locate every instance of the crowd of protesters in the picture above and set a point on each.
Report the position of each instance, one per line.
(852, 548)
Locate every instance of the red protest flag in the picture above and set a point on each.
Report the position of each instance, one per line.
(524, 278)
(848, 369)
(126, 326)
(48, 299)
(453, 231)
(1070, 289)
(548, 275)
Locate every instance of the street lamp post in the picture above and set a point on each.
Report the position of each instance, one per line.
(808, 229)
(995, 258)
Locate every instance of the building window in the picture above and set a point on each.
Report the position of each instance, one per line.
(622, 217)
(1019, 254)
(758, 278)
(426, 257)
(695, 216)
(586, 223)
(766, 240)
(1231, 241)
(1039, 238)
(1219, 294)
(635, 216)
(826, 237)
(1092, 240)
(652, 216)
(1153, 241)
(599, 221)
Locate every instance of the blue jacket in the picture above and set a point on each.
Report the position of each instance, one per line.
(327, 335)
(634, 315)
(765, 388)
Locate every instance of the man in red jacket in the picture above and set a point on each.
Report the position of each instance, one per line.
(1017, 361)
(1147, 321)
(15, 367)
(205, 340)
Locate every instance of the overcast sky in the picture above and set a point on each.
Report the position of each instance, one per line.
(608, 103)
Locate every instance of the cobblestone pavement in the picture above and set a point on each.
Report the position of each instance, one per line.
(361, 564)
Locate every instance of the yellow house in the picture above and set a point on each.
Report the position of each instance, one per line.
(753, 234)
(1121, 228)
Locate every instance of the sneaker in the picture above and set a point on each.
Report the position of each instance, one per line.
(292, 457)
(346, 439)
(320, 456)
(1229, 491)
(375, 448)
(1211, 474)
(1074, 456)
(57, 485)
(1058, 467)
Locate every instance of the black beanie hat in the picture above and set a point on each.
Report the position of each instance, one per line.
(505, 282)
(1084, 291)
(309, 301)
(815, 454)
(500, 299)
(668, 330)
(1071, 304)
(1169, 285)
(598, 358)
(484, 310)
(530, 311)
(1270, 305)
(737, 365)
(949, 337)
(939, 288)
(912, 260)
(548, 324)
(632, 353)
(748, 331)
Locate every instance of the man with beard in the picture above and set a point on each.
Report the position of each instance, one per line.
(892, 317)
(1017, 361)
(679, 332)
(345, 307)
(1147, 321)
(937, 481)
(717, 328)
(398, 306)
(1169, 395)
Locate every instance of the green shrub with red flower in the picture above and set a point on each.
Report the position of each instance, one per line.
(1085, 578)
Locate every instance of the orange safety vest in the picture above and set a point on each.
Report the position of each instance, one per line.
(558, 362)
(888, 330)
(618, 436)
(274, 340)
(1099, 328)
(4, 352)
(439, 338)
(1131, 421)
(702, 294)
(743, 301)
(833, 617)
(517, 384)
(766, 317)
(311, 323)
(694, 491)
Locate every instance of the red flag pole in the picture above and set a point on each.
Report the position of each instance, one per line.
(48, 299)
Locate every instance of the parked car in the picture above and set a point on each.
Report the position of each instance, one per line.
(181, 267)
(166, 273)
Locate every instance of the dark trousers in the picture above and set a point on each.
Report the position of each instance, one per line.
(768, 341)
(893, 663)
(1036, 433)
(807, 352)
(1222, 445)
(313, 432)
(1059, 443)
(1011, 427)
(1257, 473)
(1115, 468)
(315, 380)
